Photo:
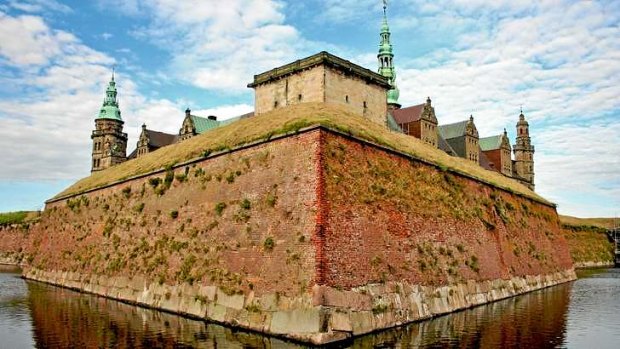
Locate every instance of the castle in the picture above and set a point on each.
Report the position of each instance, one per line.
(329, 79)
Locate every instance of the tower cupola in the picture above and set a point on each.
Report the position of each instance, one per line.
(386, 61)
(110, 109)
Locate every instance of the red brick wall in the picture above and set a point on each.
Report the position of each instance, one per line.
(391, 218)
(106, 232)
(335, 211)
(495, 156)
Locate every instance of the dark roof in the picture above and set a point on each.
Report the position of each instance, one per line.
(454, 130)
(318, 59)
(458, 145)
(409, 114)
(490, 143)
(392, 124)
(445, 146)
(160, 139)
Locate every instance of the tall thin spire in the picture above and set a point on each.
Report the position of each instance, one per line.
(386, 59)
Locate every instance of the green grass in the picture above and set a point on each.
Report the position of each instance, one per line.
(606, 223)
(291, 120)
(18, 217)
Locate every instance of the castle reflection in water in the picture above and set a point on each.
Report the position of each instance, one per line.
(66, 319)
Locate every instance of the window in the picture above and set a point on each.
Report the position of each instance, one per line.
(299, 97)
(275, 104)
(346, 98)
(365, 105)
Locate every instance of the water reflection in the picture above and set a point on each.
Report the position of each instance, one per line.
(35, 314)
(536, 320)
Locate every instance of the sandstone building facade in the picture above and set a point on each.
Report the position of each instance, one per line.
(323, 78)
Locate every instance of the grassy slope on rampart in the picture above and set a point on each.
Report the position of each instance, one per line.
(587, 239)
(606, 223)
(18, 217)
(286, 120)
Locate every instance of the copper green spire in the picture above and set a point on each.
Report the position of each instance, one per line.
(386, 59)
(110, 109)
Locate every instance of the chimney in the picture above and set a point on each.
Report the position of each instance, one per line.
(188, 112)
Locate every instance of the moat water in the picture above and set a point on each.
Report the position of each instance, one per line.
(581, 314)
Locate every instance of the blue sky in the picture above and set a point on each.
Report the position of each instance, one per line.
(559, 59)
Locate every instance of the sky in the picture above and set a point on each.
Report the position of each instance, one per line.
(559, 60)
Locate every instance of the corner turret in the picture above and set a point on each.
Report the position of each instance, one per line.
(109, 141)
(524, 153)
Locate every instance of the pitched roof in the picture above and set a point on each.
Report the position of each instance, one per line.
(454, 130)
(160, 139)
(458, 145)
(202, 124)
(445, 146)
(236, 118)
(393, 124)
(409, 114)
(490, 143)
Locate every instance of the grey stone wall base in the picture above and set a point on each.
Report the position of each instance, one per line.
(324, 315)
(585, 265)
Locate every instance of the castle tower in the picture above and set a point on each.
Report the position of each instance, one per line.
(428, 124)
(524, 153)
(386, 62)
(109, 141)
(472, 147)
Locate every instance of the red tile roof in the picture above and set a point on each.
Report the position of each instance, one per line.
(409, 114)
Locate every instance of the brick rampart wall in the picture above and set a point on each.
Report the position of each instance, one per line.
(391, 218)
(243, 221)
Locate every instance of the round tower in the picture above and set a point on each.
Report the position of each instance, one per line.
(109, 141)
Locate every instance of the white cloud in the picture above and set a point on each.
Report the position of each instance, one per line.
(226, 111)
(35, 6)
(217, 47)
(58, 88)
(559, 59)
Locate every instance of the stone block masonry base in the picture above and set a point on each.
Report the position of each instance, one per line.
(322, 315)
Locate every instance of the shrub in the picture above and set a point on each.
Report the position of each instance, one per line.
(174, 214)
(154, 182)
(107, 229)
(168, 178)
(230, 178)
(269, 244)
(219, 208)
(245, 204)
(139, 207)
(271, 199)
(181, 178)
(126, 192)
